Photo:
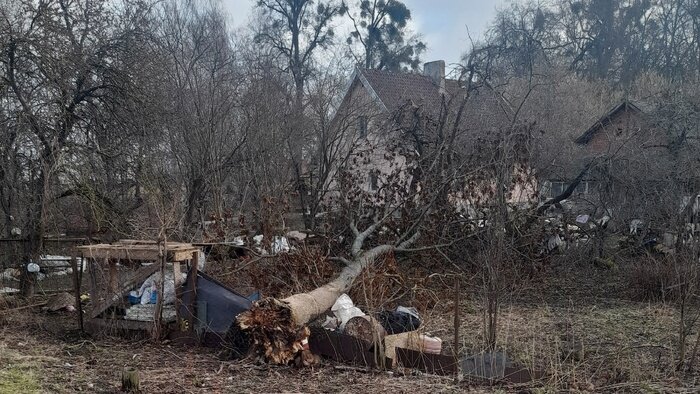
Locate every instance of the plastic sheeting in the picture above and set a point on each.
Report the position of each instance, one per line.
(220, 304)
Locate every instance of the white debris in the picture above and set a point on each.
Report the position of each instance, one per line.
(555, 242)
(344, 310)
(201, 263)
(150, 284)
(279, 245)
(57, 261)
(635, 226)
(147, 312)
(296, 235)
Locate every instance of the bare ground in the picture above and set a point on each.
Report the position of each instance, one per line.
(578, 325)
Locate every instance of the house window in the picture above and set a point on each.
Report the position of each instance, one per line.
(585, 187)
(373, 181)
(362, 123)
(556, 188)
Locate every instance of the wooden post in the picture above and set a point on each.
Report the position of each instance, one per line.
(192, 279)
(455, 349)
(177, 279)
(27, 281)
(76, 290)
(158, 318)
(113, 280)
(80, 281)
(130, 380)
(177, 275)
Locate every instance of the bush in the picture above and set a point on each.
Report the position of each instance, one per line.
(660, 279)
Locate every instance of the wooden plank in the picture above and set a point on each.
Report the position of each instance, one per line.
(136, 242)
(431, 363)
(177, 280)
(117, 326)
(139, 276)
(136, 252)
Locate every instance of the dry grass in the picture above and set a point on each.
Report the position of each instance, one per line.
(577, 324)
(81, 364)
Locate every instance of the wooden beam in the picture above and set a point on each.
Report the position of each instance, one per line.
(192, 278)
(181, 252)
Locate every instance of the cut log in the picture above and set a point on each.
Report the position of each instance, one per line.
(366, 328)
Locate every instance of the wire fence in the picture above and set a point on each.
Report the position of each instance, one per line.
(55, 272)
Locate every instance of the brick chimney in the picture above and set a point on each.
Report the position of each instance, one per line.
(436, 71)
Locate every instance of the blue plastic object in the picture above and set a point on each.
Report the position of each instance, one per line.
(154, 296)
(134, 299)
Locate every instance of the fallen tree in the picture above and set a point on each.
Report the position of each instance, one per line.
(275, 329)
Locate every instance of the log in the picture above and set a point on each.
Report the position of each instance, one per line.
(366, 328)
(130, 380)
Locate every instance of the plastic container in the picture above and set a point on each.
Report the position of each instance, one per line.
(134, 298)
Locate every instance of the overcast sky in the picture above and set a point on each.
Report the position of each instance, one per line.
(443, 23)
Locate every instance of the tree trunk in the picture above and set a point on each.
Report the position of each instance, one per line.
(194, 199)
(275, 328)
(35, 238)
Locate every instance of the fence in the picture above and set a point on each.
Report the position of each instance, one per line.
(55, 267)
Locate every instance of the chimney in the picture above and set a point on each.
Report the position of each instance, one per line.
(436, 71)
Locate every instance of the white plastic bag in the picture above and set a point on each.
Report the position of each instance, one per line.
(150, 284)
(344, 310)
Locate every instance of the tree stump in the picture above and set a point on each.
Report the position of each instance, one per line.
(27, 283)
(130, 380)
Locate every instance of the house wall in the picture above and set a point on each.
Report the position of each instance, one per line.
(369, 153)
(626, 127)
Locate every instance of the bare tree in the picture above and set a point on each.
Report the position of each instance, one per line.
(201, 99)
(61, 62)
